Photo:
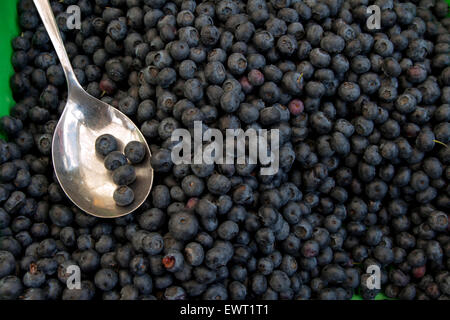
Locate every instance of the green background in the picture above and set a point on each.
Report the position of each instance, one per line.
(8, 30)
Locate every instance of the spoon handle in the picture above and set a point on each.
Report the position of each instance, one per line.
(46, 13)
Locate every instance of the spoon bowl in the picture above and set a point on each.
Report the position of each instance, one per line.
(79, 169)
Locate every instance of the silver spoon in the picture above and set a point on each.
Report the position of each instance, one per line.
(80, 171)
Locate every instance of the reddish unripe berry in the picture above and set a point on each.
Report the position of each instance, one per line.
(309, 253)
(168, 262)
(192, 202)
(416, 73)
(256, 77)
(296, 107)
(246, 85)
(411, 131)
(108, 86)
(419, 272)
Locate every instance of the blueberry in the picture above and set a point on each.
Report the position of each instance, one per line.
(8, 172)
(179, 50)
(123, 196)
(128, 105)
(193, 90)
(183, 226)
(124, 175)
(217, 256)
(135, 152)
(215, 292)
(106, 279)
(67, 236)
(85, 293)
(238, 291)
(279, 281)
(15, 202)
(215, 72)
(360, 64)
(196, 54)
(349, 91)
(7, 263)
(192, 186)
(10, 287)
(438, 221)
(166, 77)
(105, 144)
(228, 230)
(209, 35)
(115, 160)
(161, 160)
(33, 278)
(187, 69)
(52, 289)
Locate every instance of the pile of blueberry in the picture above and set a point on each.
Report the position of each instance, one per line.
(363, 117)
(124, 173)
